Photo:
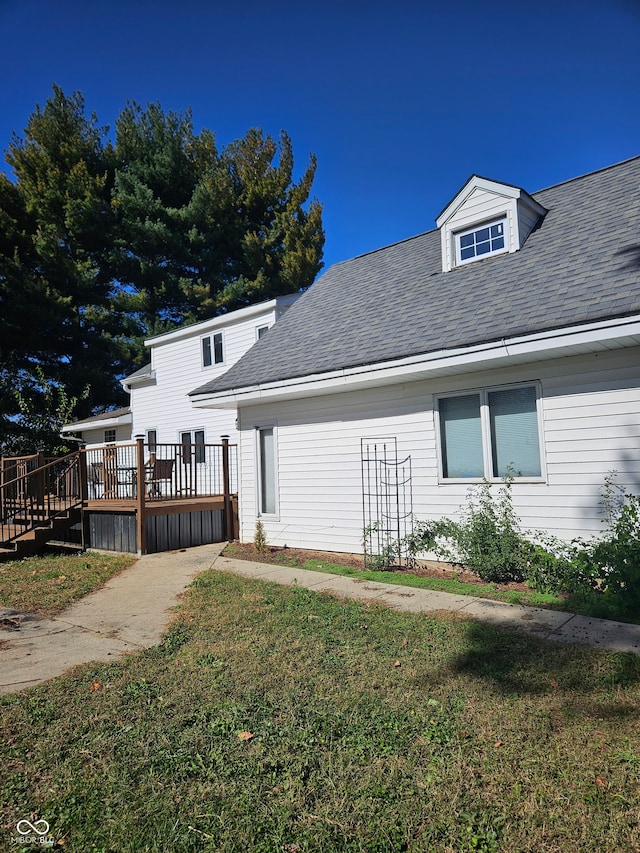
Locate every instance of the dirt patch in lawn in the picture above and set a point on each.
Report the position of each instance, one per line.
(299, 556)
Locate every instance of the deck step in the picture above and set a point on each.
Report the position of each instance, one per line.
(32, 541)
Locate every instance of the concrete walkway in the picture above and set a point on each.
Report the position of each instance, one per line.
(133, 610)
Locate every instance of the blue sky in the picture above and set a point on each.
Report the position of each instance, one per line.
(400, 101)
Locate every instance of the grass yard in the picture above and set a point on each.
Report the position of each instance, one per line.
(425, 577)
(278, 720)
(442, 577)
(49, 584)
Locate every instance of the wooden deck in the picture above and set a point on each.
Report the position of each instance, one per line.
(186, 495)
(170, 506)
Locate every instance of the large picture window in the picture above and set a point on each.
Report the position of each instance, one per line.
(489, 433)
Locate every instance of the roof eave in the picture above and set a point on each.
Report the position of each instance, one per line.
(571, 340)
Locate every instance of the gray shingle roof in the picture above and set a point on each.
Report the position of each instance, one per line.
(580, 265)
(104, 416)
(138, 374)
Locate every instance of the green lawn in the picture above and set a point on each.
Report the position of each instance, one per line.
(278, 720)
(281, 556)
(49, 584)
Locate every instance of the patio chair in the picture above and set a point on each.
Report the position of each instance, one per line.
(159, 471)
(95, 480)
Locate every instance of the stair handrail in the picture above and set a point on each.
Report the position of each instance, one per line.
(38, 497)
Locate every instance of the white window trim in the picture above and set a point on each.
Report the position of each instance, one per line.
(146, 438)
(496, 220)
(210, 337)
(486, 433)
(192, 435)
(269, 516)
(264, 326)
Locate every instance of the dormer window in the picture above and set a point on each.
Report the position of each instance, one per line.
(486, 218)
(490, 239)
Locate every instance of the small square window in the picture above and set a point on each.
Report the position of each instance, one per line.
(109, 436)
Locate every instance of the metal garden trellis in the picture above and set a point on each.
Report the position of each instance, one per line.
(387, 502)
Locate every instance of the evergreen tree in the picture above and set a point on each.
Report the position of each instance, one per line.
(62, 176)
(103, 244)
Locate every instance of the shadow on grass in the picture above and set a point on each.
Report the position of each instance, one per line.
(516, 664)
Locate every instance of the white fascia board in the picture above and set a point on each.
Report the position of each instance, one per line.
(223, 320)
(104, 423)
(475, 182)
(539, 346)
(139, 381)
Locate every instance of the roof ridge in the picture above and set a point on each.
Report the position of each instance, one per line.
(588, 174)
(383, 248)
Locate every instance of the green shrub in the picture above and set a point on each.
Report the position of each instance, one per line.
(602, 574)
(546, 571)
(260, 538)
(487, 538)
(611, 565)
(425, 536)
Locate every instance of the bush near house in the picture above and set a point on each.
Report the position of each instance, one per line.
(601, 576)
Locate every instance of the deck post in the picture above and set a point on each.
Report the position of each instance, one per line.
(228, 509)
(141, 526)
(84, 496)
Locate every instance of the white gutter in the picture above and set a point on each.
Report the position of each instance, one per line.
(98, 424)
(139, 381)
(593, 337)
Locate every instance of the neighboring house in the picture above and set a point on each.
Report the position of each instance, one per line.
(160, 408)
(506, 338)
(108, 428)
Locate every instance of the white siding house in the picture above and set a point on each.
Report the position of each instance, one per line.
(506, 339)
(160, 408)
(108, 428)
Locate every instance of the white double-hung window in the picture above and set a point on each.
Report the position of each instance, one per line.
(490, 433)
(212, 351)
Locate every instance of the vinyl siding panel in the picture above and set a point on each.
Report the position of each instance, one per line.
(591, 426)
(166, 407)
(527, 220)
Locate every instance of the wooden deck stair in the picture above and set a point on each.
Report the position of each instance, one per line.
(31, 541)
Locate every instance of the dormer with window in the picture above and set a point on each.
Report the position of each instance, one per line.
(486, 218)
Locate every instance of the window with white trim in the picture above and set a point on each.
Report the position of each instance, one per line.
(193, 441)
(490, 433)
(488, 239)
(109, 436)
(212, 350)
(261, 331)
(267, 480)
(152, 440)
